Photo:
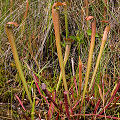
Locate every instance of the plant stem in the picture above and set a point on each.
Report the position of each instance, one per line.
(107, 29)
(67, 51)
(55, 16)
(11, 39)
(89, 58)
(80, 75)
(66, 20)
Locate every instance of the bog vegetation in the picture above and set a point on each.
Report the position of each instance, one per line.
(59, 60)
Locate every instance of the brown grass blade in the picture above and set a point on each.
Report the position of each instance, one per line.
(100, 92)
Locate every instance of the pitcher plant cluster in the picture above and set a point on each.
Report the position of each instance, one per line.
(68, 107)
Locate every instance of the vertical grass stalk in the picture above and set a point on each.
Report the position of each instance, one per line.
(67, 51)
(86, 5)
(66, 21)
(107, 29)
(86, 11)
(24, 18)
(55, 16)
(80, 75)
(11, 39)
(68, 46)
(11, 7)
(105, 9)
(89, 58)
(33, 107)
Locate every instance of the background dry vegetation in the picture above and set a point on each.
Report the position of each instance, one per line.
(37, 53)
